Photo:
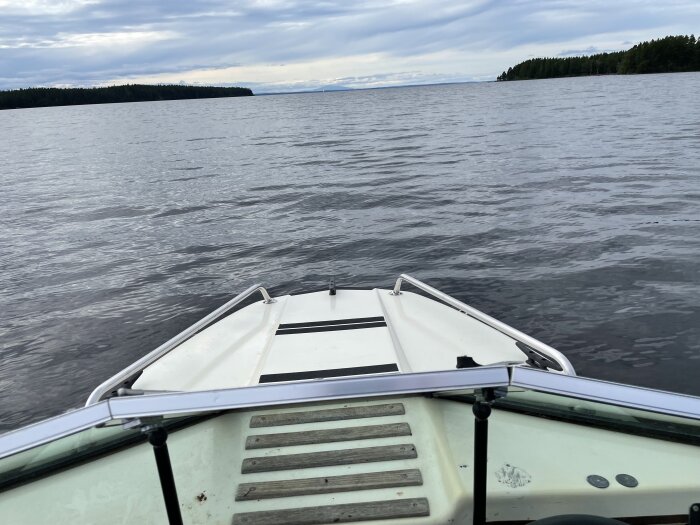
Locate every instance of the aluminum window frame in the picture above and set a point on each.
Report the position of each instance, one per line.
(192, 403)
(607, 392)
(292, 393)
(54, 428)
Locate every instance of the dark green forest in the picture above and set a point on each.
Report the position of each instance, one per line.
(672, 54)
(43, 97)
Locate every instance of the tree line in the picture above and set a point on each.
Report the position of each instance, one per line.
(43, 97)
(672, 54)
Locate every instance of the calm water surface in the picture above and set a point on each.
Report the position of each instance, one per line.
(569, 208)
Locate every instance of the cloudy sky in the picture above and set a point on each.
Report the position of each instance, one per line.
(278, 45)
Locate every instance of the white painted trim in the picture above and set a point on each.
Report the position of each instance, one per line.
(404, 365)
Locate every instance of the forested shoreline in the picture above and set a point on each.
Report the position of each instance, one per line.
(44, 97)
(672, 54)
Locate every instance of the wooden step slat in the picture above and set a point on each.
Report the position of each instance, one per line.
(332, 435)
(349, 512)
(329, 458)
(331, 414)
(325, 485)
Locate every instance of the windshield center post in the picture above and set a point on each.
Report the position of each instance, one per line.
(482, 410)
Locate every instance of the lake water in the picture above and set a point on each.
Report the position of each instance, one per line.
(568, 208)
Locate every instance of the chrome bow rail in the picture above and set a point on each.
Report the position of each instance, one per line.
(122, 379)
(547, 350)
(118, 380)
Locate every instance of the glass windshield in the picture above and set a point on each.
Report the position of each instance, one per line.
(62, 452)
(74, 449)
(624, 419)
(597, 414)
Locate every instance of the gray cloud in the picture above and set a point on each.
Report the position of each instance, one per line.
(103, 41)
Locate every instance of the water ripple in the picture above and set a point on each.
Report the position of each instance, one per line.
(567, 208)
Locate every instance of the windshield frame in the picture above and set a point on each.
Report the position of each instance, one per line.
(205, 402)
(607, 392)
(122, 409)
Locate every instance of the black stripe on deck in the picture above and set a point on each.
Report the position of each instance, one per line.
(333, 322)
(332, 328)
(334, 372)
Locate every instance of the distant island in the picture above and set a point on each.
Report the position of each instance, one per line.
(673, 54)
(44, 97)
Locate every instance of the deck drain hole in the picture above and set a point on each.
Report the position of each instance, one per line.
(598, 482)
(626, 480)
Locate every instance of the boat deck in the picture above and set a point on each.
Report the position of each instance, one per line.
(318, 335)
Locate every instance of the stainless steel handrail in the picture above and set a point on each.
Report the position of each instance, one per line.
(556, 355)
(166, 347)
